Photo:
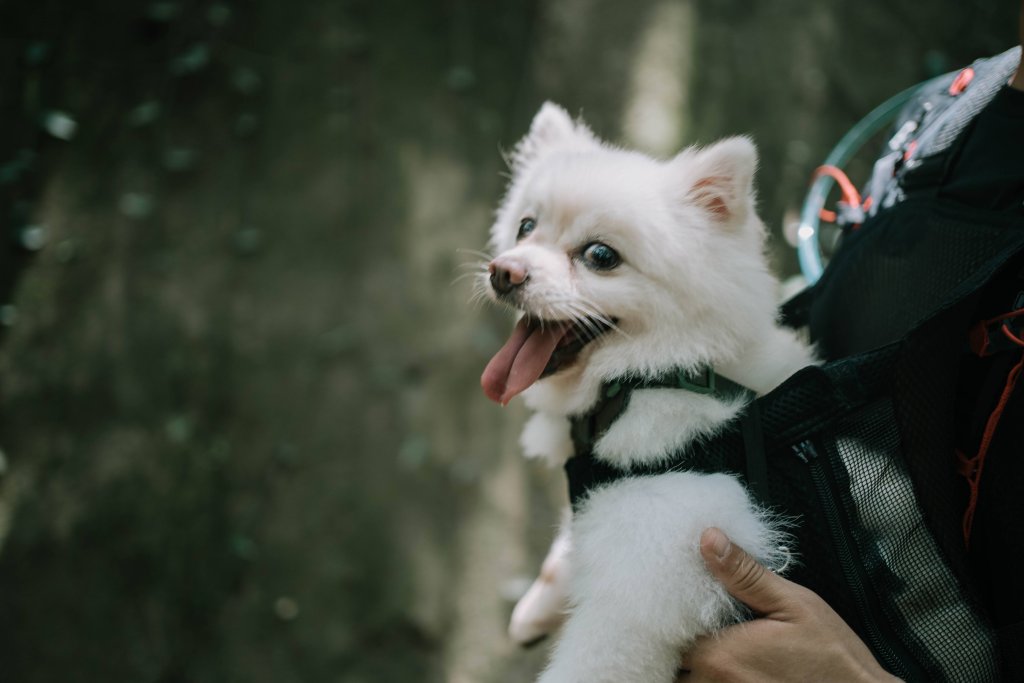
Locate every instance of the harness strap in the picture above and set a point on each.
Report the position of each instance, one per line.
(754, 452)
(615, 394)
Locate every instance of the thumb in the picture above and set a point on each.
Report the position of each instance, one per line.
(745, 578)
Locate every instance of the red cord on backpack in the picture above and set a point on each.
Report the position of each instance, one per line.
(971, 468)
(850, 195)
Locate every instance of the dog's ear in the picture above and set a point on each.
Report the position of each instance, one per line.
(720, 179)
(552, 128)
(551, 125)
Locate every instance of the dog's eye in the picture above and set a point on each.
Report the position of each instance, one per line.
(599, 256)
(526, 226)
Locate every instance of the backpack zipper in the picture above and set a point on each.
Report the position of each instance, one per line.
(852, 569)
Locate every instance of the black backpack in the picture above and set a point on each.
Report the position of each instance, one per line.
(885, 454)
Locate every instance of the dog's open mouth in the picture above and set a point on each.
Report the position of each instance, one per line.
(536, 349)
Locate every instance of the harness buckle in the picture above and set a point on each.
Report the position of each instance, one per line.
(700, 384)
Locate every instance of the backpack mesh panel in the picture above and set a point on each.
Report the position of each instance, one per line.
(901, 559)
(861, 539)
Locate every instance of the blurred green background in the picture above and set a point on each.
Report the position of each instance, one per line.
(241, 433)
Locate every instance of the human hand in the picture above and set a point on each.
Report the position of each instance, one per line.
(797, 637)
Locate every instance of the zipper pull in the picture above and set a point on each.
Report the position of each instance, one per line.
(806, 451)
(902, 135)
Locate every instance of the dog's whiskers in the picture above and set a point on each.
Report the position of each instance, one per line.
(481, 291)
(476, 265)
(475, 269)
(478, 296)
(459, 278)
(586, 315)
(476, 252)
(584, 322)
(553, 308)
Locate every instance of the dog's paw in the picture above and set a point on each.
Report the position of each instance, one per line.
(541, 611)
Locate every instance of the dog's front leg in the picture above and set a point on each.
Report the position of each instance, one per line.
(542, 608)
(640, 592)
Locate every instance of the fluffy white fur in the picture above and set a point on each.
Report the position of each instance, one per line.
(693, 288)
(639, 587)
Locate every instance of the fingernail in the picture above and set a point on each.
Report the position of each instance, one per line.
(718, 542)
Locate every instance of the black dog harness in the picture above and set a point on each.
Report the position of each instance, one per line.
(585, 471)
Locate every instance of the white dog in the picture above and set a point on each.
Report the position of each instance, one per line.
(625, 266)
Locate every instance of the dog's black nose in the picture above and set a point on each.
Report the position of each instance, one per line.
(506, 275)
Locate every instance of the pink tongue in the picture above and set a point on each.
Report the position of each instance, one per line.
(520, 362)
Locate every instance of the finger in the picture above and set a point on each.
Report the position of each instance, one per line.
(744, 577)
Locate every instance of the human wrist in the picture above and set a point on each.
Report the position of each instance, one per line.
(866, 668)
(880, 675)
